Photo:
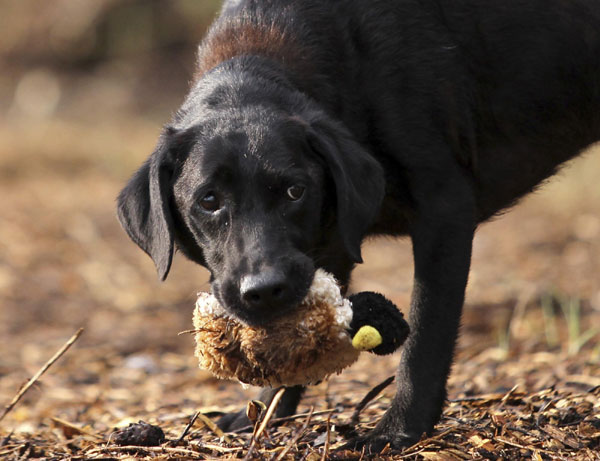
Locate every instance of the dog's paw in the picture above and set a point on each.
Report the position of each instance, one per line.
(235, 422)
(377, 440)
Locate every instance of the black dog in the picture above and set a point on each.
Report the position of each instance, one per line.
(313, 123)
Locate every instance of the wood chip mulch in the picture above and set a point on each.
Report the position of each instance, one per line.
(559, 422)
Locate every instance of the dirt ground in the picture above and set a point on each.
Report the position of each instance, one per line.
(525, 384)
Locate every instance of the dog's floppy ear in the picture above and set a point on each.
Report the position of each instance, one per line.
(144, 206)
(358, 177)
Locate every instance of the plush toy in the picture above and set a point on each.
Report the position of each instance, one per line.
(322, 336)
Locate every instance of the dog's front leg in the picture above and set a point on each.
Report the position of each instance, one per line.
(442, 233)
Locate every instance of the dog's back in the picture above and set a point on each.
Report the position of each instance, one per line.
(515, 90)
(535, 84)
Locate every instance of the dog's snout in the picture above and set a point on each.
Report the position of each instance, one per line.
(266, 289)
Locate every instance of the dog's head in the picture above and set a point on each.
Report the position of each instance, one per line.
(260, 195)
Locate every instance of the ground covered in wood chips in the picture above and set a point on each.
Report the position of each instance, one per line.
(526, 380)
(526, 383)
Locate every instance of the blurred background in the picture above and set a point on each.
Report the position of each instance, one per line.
(85, 86)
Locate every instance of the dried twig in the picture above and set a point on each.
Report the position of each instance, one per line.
(506, 441)
(370, 396)
(219, 448)
(213, 427)
(296, 437)
(139, 449)
(6, 440)
(326, 448)
(188, 427)
(40, 372)
(509, 394)
(76, 429)
(284, 419)
(270, 411)
(265, 421)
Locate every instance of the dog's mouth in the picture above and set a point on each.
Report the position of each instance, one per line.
(263, 318)
(258, 316)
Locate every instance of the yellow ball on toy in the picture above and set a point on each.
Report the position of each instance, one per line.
(366, 338)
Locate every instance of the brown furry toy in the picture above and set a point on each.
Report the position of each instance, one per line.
(323, 335)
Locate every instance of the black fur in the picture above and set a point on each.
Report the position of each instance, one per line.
(398, 117)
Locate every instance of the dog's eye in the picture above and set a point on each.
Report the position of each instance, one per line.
(210, 202)
(295, 192)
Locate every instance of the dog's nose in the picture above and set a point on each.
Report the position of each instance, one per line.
(265, 290)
